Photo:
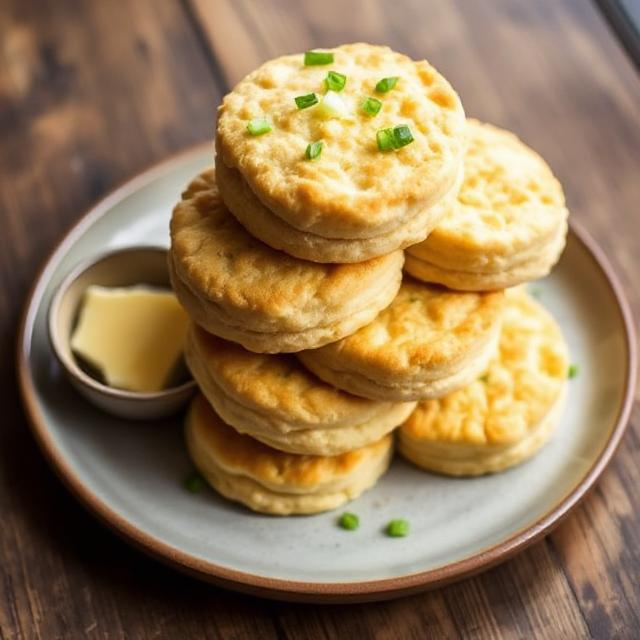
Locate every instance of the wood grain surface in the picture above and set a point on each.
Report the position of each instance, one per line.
(92, 92)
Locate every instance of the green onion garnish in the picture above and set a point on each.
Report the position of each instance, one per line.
(313, 58)
(371, 106)
(402, 136)
(194, 483)
(349, 521)
(258, 126)
(302, 102)
(384, 138)
(398, 528)
(484, 378)
(335, 81)
(386, 84)
(395, 138)
(313, 151)
(573, 371)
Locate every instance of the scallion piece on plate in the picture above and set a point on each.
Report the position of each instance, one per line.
(371, 106)
(258, 126)
(308, 100)
(573, 371)
(349, 521)
(313, 151)
(398, 528)
(194, 482)
(313, 58)
(335, 81)
(386, 84)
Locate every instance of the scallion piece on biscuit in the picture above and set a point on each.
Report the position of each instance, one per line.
(258, 126)
(335, 81)
(308, 100)
(313, 151)
(313, 58)
(386, 84)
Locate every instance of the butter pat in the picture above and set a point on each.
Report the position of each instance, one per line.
(134, 336)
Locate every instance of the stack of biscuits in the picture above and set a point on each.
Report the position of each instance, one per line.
(335, 170)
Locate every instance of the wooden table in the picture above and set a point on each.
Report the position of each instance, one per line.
(92, 92)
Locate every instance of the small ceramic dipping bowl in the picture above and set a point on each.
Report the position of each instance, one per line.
(120, 268)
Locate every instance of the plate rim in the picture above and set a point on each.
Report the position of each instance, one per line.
(277, 588)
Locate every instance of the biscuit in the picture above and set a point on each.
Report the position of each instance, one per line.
(508, 224)
(270, 481)
(353, 190)
(274, 399)
(256, 218)
(243, 290)
(427, 343)
(505, 417)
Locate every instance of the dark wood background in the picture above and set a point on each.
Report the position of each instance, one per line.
(93, 92)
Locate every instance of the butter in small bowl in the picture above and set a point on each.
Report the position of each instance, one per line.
(132, 337)
(118, 331)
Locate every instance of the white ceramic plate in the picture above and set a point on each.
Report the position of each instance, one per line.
(130, 474)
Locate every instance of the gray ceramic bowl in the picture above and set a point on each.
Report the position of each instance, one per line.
(120, 268)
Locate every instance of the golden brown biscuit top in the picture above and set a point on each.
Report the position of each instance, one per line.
(277, 384)
(353, 184)
(425, 327)
(243, 455)
(524, 381)
(509, 197)
(222, 263)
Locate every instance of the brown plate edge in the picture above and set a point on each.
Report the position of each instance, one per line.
(291, 590)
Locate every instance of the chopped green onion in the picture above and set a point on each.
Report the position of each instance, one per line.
(349, 521)
(313, 151)
(484, 378)
(384, 138)
(398, 528)
(573, 371)
(402, 136)
(194, 483)
(371, 106)
(313, 58)
(258, 126)
(335, 81)
(332, 106)
(395, 138)
(302, 102)
(386, 84)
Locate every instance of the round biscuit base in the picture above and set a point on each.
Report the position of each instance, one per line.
(263, 499)
(406, 390)
(263, 224)
(537, 266)
(474, 460)
(211, 318)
